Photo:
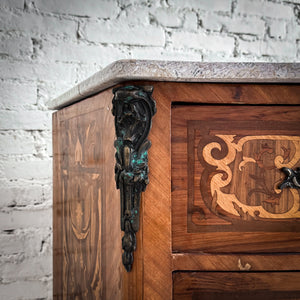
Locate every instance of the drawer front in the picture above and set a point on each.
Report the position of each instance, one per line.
(226, 169)
(240, 286)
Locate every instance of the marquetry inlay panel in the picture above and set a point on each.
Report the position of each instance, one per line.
(226, 172)
(236, 176)
(82, 204)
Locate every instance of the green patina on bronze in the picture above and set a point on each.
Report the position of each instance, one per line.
(133, 108)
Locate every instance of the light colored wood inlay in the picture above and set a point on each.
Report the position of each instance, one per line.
(229, 201)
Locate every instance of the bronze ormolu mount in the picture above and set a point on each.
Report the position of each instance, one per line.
(133, 108)
(292, 179)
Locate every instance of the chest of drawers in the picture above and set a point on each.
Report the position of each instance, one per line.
(200, 211)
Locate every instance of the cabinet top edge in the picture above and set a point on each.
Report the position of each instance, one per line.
(178, 71)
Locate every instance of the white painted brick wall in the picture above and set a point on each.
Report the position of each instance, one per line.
(120, 33)
(203, 41)
(46, 46)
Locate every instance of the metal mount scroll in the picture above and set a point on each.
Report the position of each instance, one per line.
(292, 179)
(133, 108)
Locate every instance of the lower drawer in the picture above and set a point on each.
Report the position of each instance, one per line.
(236, 285)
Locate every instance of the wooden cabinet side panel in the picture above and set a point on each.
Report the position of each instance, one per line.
(87, 238)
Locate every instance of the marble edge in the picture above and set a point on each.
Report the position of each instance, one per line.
(177, 71)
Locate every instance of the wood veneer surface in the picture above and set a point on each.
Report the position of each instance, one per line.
(86, 234)
(154, 260)
(226, 163)
(240, 286)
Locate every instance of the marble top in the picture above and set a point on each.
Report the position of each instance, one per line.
(177, 71)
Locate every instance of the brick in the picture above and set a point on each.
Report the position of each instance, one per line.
(190, 21)
(135, 14)
(247, 47)
(37, 143)
(30, 269)
(14, 94)
(139, 2)
(24, 194)
(39, 169)
(47, 90)
(25, 120)
(18, 219)
(278, 48)
(27, 242)
(214, 22)
(278, 29)
(39, 71)
(236, 25)
(15, 46)
(220, 57)
(29, 22)
(12, 3)
(81, 53)
(43, 143)
(90, 8)
(16, 142)
(246, 26)
(270, 48)
(264, 8)
(186, 55)
(211, 5)
(165, 54)
(34, 289)
(167, 17)
(86, 70)
(202, 41)
(121, 33)
(293, 31)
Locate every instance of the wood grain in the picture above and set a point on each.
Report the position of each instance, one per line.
(87, 258)
(230, 285)
(239, 262)
(58, 252)
(157, 207)
(83, 270)
(156, 234)
(133, 282)
(229, 93)
(212, 193)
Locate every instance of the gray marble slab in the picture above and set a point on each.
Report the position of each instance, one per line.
(177, 71)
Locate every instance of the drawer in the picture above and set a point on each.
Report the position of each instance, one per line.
(236, 285)
(226, 169)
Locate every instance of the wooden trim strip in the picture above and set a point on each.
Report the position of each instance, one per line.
(243, 262)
